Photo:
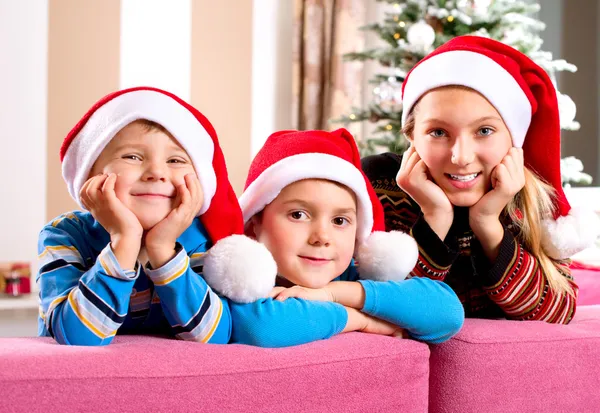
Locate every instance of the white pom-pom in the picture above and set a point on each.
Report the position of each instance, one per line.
(387, 256)
(240, 269)
(564, 237)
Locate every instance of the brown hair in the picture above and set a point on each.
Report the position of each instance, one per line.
(150, 125)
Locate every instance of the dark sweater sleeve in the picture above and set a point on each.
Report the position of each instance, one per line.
(402, 213)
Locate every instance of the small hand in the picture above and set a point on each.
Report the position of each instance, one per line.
(160, 240)
(508, 178)
(377, 326)
(98, 196)
(313, 294)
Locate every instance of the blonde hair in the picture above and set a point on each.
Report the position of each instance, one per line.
(533, 203)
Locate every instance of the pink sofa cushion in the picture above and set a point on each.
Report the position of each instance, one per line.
(516, 366)
(588, 281)
(351, 372)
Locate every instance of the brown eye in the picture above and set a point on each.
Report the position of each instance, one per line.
(340, 221)
(298, 215)
(132, 157)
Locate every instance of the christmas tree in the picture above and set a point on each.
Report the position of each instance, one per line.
(411, 29)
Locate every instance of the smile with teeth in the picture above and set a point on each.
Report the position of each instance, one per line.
(463, 178)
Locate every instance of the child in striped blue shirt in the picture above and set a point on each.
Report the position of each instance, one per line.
(148, 170)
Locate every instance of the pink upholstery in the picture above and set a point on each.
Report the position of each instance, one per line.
(351, 372)
(589, 286)
(511, 366)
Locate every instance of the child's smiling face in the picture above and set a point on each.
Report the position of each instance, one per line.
(461, 138)
(310, 229)
(149, 164)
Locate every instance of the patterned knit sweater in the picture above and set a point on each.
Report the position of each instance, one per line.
(513, 286)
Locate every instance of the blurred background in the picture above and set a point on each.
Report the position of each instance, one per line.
(252, 67)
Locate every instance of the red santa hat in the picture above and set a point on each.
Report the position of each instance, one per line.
(220, 213)
(291, 156)
(526, 99)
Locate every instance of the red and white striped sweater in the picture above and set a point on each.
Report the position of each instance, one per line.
(513, 286)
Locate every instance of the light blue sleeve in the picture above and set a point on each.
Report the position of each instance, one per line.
(192, 309)
(80, 306)
(428, 309)
(271, 323)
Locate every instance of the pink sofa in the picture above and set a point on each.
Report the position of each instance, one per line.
(490, 366)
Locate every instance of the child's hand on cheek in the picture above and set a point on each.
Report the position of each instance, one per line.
(413, 177)
(160, 240)
(313, 294)
(508, 178)
(98, 196)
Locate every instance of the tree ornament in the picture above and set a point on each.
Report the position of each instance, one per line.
(421, 35)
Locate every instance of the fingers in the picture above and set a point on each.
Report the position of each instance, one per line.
(108, 188)
(409, 160)
(406, 155)
(195, 191)
(276, 291)
(287, 293)
(510, 172)
(90, 192)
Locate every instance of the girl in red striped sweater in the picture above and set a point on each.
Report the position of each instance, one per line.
(481, 187)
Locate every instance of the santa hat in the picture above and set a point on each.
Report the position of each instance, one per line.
(220, 212)
(526, 99)
(291, 156)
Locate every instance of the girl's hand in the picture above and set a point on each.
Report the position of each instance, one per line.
(508, 178)
(313, 294)
(414, 178)
(160, 240)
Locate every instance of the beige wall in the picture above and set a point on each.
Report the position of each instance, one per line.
(221, 78)
(83, 65)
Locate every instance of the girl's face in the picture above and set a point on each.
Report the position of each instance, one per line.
(461, 138)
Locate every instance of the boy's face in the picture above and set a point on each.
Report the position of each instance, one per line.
(149, 165)
(310, 229)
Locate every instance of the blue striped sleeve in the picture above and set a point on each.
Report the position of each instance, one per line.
(272, 323)
(428, 309)
(192, 309)
(79, 306)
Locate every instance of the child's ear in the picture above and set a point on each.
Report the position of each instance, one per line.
(253, 227)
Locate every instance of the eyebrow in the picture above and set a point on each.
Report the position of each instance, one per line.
(137, 146)
(483, 118)
(309, 205)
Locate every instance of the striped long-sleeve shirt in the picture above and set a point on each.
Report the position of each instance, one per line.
(513, 286)
(86, 297)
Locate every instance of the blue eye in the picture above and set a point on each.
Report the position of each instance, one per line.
(437, 133)
(485, 131)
